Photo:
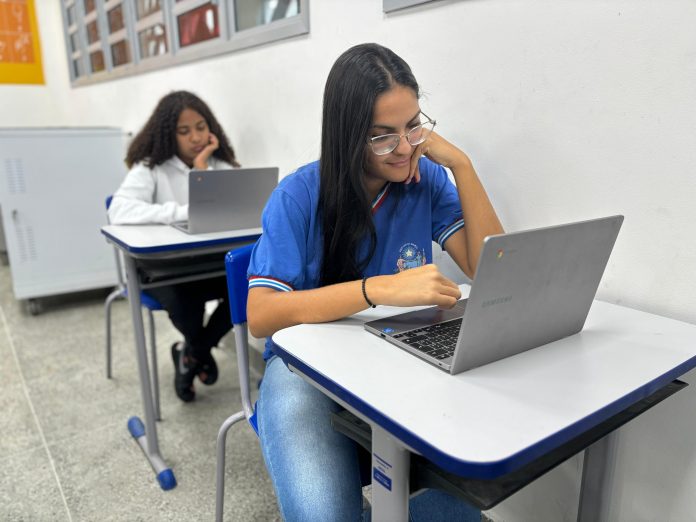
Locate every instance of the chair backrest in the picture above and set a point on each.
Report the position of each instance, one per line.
(236, 265)
(117, 254)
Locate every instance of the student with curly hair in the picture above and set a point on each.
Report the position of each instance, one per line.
(181, 135)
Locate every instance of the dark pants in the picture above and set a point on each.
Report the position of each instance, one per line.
(185, 304)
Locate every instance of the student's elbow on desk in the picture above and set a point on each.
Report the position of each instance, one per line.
(259, 334)
(258, 329)
(255, 322)
(263, 317)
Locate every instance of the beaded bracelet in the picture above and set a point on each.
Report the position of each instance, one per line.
(365, 294)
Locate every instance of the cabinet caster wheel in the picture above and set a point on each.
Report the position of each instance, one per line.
(34, 306)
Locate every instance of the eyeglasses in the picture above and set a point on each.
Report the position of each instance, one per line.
(386, 143)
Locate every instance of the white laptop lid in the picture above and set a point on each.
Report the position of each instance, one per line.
(231, 199)
(533, 287)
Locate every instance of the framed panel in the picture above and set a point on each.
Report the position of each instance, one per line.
(152, 41)
(115, 18)
(145, 8)
(197, 25)
(108, 39)
(20, 51)
(96, 61)
(275, 21)
(118, 37)
(89, 6)
(92, 31)
(152, 37)
(71, 17)
(253, 13)
(120, 53)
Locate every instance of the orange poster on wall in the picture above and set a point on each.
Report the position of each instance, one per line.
(20, 51)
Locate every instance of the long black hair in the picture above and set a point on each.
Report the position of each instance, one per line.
(156, 141)
(355, 81)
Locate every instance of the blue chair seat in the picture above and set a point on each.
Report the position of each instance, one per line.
(253, 422)
(146, 300)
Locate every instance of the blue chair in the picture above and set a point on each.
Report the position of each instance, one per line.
(150, 304)
(236, 264)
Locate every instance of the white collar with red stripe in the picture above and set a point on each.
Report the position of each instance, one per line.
(379, 199)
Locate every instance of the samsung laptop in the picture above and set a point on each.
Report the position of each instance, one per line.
(530, 288)
(231, 199)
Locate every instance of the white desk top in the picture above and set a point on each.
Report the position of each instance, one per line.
(491, 420)
(148, 239)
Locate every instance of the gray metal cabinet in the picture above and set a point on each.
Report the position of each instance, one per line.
(53, 184)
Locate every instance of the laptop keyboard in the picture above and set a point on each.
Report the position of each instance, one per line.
(438, 340)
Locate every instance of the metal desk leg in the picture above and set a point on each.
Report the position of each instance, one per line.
(390, 471)
(597, 473)
(145, 435)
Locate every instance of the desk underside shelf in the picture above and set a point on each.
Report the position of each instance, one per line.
(485, 494)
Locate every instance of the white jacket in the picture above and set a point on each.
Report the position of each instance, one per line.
(155, 195)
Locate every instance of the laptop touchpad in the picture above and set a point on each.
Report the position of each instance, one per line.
(421, 318)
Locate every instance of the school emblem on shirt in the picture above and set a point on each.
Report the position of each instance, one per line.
(410, 256)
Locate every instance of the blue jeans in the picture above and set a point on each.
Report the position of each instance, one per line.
(315, 469)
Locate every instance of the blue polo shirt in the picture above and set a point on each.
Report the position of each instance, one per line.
(407, 219)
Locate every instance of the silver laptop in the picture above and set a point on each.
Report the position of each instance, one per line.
(227, 199)
(531, 288)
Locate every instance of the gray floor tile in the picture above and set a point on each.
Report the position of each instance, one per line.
(101, 469)
(9, 372)
(61, 340)
(19, 429)
(82, 400)
(20, 432)
(29, 490)
(97, 463)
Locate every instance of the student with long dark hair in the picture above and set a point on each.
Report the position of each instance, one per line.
(355, 229)
(181, 135)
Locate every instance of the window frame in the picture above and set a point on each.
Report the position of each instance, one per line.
(394, 5)
(75, 56)
(229, 39)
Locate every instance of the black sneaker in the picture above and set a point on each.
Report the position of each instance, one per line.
(208, 368)
(184, 372)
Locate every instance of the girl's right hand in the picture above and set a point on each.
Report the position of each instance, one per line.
(437, 149)
(424, 285)
(201, 161)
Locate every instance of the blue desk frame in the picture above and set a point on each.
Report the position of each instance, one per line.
(161, 242)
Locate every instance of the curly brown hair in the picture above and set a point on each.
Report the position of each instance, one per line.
(156, 141)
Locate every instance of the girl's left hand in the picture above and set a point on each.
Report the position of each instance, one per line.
(437, 149)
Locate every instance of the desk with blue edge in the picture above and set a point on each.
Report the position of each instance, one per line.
(163, 243)
(487, 432)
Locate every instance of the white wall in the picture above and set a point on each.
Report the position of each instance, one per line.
(570, 109)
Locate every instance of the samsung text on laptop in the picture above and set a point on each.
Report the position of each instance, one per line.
(230, 199)
(531, 288)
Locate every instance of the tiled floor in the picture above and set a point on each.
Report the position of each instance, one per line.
(65, 451)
